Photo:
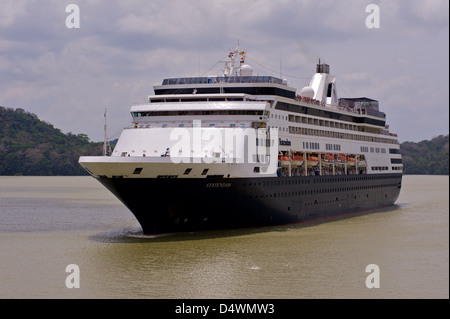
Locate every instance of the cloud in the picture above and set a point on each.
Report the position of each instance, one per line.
(431, 12)
(67, 76)
(11, 11)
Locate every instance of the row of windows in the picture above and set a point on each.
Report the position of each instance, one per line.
(377, 150)
(327, 114)
(264, 142)
(365, 149)
(380, 168)
(193, 98)
(311, 145)
(333, 147)
(146, 125)
(326, 123)
(324, 191)
(254, 90)
(279, 117)
(332, 134)
(320, 180)
(185, 113)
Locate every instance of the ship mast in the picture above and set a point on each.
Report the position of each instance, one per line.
(106, 146)
(234, 63)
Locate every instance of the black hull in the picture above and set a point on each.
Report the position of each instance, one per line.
(166, 205)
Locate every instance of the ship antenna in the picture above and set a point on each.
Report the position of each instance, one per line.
(105, 142)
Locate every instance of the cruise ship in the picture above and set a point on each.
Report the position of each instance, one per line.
(241, 150)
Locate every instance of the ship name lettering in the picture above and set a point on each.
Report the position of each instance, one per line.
(218, 185)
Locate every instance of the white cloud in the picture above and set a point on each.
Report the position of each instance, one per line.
(435, 11)
(68, 77)
(11, 11)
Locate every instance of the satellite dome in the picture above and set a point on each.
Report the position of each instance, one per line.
(246, 70)
(307, 91)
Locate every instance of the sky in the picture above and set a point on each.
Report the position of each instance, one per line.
(68, 75)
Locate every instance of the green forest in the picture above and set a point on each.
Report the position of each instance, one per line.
(29, 146)
(428, 157)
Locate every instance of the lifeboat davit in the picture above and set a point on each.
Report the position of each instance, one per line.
(312, 160)
(297, 161)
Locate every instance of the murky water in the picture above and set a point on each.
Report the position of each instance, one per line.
(47, 223)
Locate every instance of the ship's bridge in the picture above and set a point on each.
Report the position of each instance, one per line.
(223, 79)
(255, 85)
(227, 110)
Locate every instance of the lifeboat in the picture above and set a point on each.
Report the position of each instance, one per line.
(340, 159)
(351, 161)
(297, 161)
(312, 160)
(327, 159)
(285, 160)
(362, 163)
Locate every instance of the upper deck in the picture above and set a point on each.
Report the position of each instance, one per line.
(223, 79)
(237, 85)
(255, 85)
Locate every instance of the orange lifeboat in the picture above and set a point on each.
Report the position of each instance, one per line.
(340, 159)
(351, 161)
(327, 159)
(312, 160)
(297, 161)
(285, 160)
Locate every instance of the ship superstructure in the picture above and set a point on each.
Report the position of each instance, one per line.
(239, 150)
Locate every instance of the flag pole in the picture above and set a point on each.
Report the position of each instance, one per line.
(104, 142)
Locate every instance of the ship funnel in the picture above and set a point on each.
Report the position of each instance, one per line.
(322, 68)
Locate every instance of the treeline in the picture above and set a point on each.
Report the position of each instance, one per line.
(29, 146)
(428, 157)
